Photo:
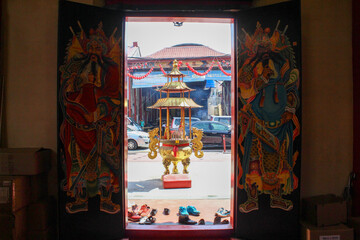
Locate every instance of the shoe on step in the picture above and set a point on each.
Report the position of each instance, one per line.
(183, 211)
(221, 212)
(217, 220)
(166, 211)
(184, 219)
(193, 211)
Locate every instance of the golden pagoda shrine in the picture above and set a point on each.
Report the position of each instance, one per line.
(177, 145)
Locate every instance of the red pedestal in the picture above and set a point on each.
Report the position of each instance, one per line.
(176, 181)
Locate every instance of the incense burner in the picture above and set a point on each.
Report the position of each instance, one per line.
(175, 146)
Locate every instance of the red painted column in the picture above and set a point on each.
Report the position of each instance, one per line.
(135, 107)
(141, 117)
(129, 96)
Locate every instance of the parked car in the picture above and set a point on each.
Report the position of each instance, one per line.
(222, 119)
(137, 139)
(213, 133)
(176, 122)
(133, 125)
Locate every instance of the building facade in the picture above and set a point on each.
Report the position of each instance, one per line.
(207, 70)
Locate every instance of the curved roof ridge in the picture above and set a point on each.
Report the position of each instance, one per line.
(188, 44)
(186, 51)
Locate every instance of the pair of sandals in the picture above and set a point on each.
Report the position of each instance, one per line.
(217, 220)
(221, 212)
(136, 213)
(147, 220)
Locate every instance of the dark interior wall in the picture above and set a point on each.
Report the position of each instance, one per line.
(327, 149)
(327, 96)
(356, 72)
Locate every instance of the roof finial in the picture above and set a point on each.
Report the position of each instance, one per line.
(175, 70)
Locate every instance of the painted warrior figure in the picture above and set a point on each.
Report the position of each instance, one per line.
(89, 97)
(268, 95)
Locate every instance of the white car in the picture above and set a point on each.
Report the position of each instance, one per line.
(133, 125)
(137, 139)
(176, 122)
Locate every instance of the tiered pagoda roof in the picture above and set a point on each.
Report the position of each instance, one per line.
(175, 87)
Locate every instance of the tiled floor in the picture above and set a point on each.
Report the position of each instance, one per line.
(206, 207)
(211, 185)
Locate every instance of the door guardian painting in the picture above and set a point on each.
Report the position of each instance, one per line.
(89, 96)
(268, 96)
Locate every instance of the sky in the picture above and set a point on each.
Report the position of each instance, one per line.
(154, 36)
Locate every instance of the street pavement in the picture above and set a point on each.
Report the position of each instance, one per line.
(210, 175)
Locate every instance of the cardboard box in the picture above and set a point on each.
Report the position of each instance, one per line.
(354, 222)
(324, 210)
(24, 161)
(41, 215)
(13, 225)
(47, 234)
(176, 181)
(336, 232)
(14, 193)
(38, 187)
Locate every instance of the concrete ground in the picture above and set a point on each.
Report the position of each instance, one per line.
(210, 177)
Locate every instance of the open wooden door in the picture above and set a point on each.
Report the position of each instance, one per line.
(269, 90)
(356, 96)
(91, 125)
(90, 120)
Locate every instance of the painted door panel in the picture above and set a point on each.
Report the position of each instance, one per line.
(268, 80)
(90, 146)
(269, 221)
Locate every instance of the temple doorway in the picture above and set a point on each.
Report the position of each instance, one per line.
(200, 50)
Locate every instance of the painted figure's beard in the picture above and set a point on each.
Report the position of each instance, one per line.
(94, 68)
(94, 58)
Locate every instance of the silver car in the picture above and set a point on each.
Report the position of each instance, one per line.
(222, 119)
(137, 139)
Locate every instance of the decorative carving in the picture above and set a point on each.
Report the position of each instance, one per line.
(175, 169)
(166, 163)
(197, 144)
(186, 163)
(154, 143)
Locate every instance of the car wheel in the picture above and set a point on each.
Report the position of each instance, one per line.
(132, 145)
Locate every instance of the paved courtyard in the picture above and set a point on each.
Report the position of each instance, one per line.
(210, 177)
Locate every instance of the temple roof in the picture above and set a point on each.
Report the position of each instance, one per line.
(175, 103)
(175, 87)
(189, 50)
